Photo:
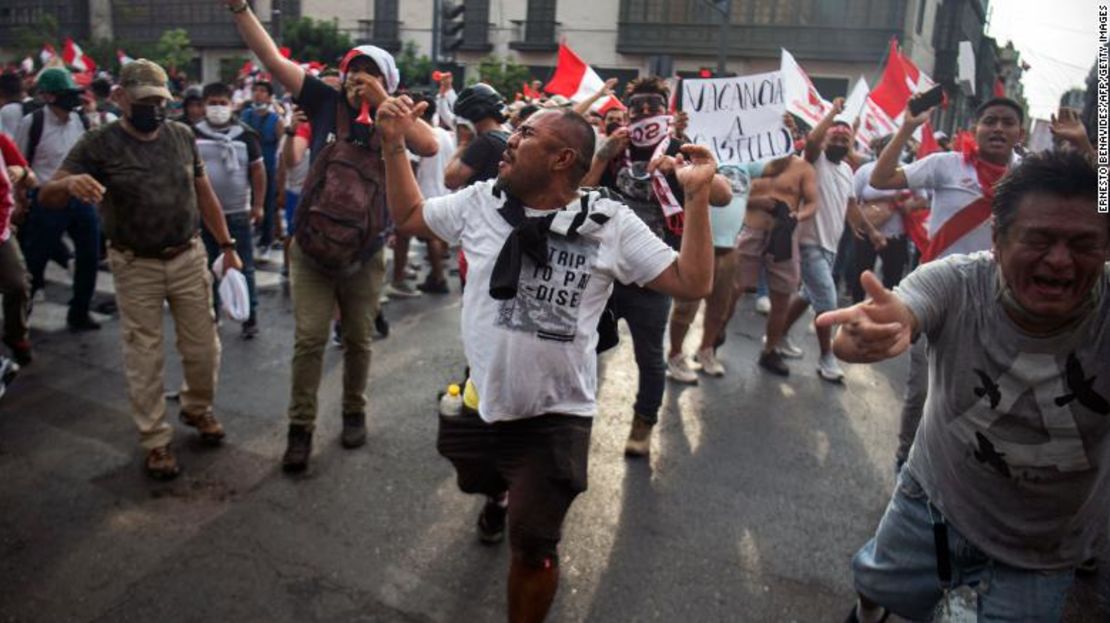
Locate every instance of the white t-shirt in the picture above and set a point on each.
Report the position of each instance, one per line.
(534, 355)
(955, 185)
(430, 170)
(10, 116)
(865, 193)
(834, 189)
(58, 137)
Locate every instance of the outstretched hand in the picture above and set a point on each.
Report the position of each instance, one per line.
(879, 328)
(1067, 126)
(396, 115)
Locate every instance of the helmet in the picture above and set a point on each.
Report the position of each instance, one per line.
(480, 101)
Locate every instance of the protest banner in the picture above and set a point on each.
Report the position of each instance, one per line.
(739, 118)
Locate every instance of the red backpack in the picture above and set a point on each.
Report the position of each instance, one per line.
(342, 212)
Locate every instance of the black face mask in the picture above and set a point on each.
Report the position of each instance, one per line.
(835, 153)
(68, 100)
(146, 118)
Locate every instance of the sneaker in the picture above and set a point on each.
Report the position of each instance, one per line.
(433, 287)
(491, 522)
(8, 370)
(298, 449)
(21, 351)
(401, 290)
(39, 296)
(82, 323)
(639, 438)
(160, 464)
(262, 254)
(772, 362)
(829, 369)
(853, 616)
(381, 325)
(210, 429)
(250, 329)
(786, 348)
(709, 363)
(763, 305)
(354, 430)
(678, 370)
(337, 334)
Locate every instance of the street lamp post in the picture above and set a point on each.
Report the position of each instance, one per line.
(724, 7)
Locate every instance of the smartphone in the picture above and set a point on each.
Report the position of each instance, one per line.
(928, 99)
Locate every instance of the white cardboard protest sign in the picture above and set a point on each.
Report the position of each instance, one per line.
(739, 118)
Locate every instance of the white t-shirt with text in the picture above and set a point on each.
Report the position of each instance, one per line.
(534, 355)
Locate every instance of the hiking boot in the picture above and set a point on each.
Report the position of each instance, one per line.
(639, 438)
(210, 429)
(429, 286)
(829, 369)
(21, 351)
(401, 290)
(709, 363)
(160, 464)
(679, 370)
(82, 323)
(772, 362)
(491, 522)
(298, 449)
(354, 430)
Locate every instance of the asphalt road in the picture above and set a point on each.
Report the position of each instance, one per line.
(756, 496)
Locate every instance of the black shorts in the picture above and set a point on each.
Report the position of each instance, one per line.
(541, 461)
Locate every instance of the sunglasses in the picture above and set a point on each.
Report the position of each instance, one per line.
(652, 102)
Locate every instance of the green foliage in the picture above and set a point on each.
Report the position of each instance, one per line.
(315, 40)
(174, 50)
(503, 74)
(416, 70)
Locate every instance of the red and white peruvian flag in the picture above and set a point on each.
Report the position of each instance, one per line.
(47, 54)
(887, 101)
(802, 98)
(577, 81)
(123, 58)
(75, 57)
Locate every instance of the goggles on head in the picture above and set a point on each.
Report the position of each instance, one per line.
(650, 103)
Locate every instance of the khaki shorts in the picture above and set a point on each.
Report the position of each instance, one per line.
(782, 277)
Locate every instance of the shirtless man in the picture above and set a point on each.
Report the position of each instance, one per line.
(784, 196)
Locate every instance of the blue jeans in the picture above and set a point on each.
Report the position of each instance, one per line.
(292, 198)
(818, 286)
(45, 227)
(897, 569)
(239, 226)
(647, 313)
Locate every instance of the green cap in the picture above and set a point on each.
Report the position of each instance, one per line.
(142, 78)
(56, 80)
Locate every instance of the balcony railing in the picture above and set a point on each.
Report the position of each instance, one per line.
(207, 23)
(846, 30)
(24, 17)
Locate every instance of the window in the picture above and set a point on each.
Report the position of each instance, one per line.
(921, 15)
(476, 26)
(386, 25)
(540, 27)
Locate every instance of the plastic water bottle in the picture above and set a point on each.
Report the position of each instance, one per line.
(450, 404)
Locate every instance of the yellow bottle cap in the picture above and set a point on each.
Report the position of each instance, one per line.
(453, 389)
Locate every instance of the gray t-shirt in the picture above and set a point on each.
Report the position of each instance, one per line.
(1014, 447)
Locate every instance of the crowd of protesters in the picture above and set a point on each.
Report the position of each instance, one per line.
(566, 217)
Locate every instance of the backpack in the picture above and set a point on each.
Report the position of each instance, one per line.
(342, 211)
(38, 118)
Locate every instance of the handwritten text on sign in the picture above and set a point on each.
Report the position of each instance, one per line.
(739, 118)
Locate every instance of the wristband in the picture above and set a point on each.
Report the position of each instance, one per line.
(240, 8)
(229, 245)
(290, 132)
